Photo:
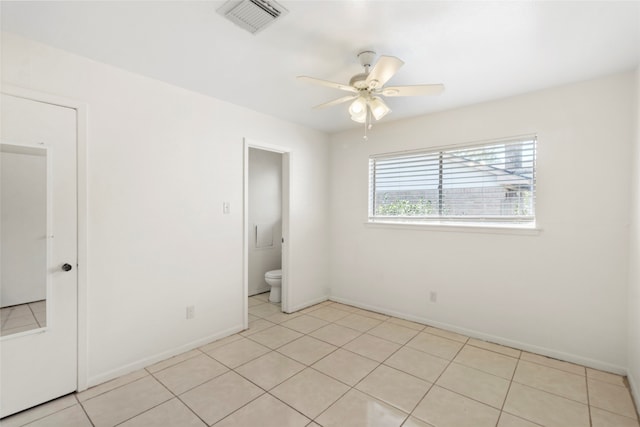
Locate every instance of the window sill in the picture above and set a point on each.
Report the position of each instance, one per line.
(519, 229)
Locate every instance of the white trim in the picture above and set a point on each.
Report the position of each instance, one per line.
(569, 357)
(309, 304)
(286, 194)
(461, 228)
(147, 361)
(82, 191)
(635, 388)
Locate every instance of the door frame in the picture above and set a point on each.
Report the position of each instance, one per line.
(286, 235)
(82, 211)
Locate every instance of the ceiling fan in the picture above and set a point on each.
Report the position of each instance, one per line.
(367, 89)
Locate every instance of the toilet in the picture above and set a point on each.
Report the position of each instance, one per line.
(274, 279)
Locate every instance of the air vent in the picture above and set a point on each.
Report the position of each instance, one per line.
(252, 15)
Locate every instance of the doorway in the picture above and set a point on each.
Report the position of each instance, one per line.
(42, 138)
(266, 219)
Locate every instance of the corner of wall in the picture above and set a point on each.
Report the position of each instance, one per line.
(633, 356)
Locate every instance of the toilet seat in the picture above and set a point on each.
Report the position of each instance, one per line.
(273, 274)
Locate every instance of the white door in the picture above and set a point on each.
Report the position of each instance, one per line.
(38, 360)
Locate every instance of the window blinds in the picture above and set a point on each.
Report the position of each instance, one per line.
(492, 182)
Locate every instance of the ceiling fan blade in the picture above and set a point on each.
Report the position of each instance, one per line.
(336, 102)
(384, 69)
(417, 90)
(327, 83)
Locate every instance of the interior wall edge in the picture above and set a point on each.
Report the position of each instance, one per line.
(472, 333)
(309, 303)
(150, 360)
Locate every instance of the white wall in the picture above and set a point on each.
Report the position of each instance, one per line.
(561, 292)
(24, 225)
(161, 162)
(265, 212)
(634, 260)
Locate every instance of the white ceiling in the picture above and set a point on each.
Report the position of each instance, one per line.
(480, 50)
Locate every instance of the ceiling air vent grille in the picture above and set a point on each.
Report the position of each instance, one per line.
(252, 15)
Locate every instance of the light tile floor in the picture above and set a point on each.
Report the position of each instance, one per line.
(335, 365)
(23, 317)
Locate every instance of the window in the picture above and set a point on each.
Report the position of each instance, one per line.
(489, 183)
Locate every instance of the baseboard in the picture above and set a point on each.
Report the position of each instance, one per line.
(308, 304)
(568, 357)
(147, 361)
(635, 389)
(260, 290)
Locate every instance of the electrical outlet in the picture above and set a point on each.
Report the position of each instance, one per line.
(433, 296)
(191, 311)
(226, 208)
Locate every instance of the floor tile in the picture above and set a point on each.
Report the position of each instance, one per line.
(601, 418)
(19, 321)
(40, 411)
(221, 342)
(264, 296)
(487, 361)
(269, 370)
(545, 408)
(335, 334)
(265, 411)
(446, 334)
(372, 347)
(310, 392)
(343, 307)
(475, 384)
(611, 397)
(110, 385)
(508, 420)
(394, 387)
(392, 332)
(264, 310)
(414, 422)
(358, 322)
(281, 317)
(406, 323)
(605, 377)
(435, 345)
(507, 351)
(122, 403)
(417, 363)
(311, 308)
(190, 373)
(443, 408)
(329, 314)
(220, 396)
(307, 350)
(553, 363)
(171, 413)
(173, 361)
(254, 302)
(257, 326)
(356, 409)
(552, 380)
(345, 366)
(305, 323)
(73, 416)
(275, 337)
(238, 352)
(371, 314)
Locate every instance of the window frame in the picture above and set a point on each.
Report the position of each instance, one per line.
(514, 222)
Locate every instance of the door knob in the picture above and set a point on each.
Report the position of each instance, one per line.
(66, 267)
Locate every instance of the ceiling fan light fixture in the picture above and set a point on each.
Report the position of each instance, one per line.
(358, 106)
(360, 117)
(378, 108)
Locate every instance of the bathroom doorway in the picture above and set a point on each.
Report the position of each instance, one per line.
(266, 222)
